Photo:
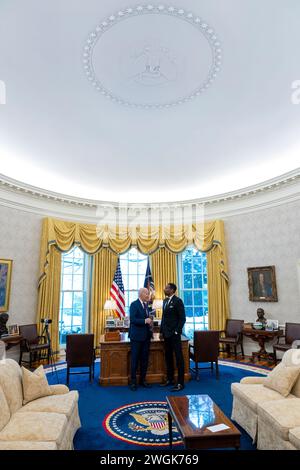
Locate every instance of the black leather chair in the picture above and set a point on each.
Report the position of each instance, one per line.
(292, 333)
(80, 352)
(233, 336)
(205, 348)
(33, 344)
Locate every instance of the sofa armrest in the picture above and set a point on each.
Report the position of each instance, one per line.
(59, 389)
(253, 380)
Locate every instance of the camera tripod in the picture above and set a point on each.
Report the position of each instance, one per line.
(51, 360)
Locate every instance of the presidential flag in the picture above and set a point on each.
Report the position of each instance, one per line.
(117, 292)
(149, 284)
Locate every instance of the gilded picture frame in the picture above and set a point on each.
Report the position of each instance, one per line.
(5, 283)
(262, 284)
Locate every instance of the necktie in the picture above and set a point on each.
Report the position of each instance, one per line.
(145, 308)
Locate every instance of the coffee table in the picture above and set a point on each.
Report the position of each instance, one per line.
(193, 414)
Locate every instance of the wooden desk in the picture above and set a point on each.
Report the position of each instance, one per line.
(115, 361)
(192, 415)
(262, 337)
(11, 340)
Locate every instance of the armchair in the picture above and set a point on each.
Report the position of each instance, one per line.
(292, 333)
(80, 352)
(32, 343)
(205, 348)
(233, 336)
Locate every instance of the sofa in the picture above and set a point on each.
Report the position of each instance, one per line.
(271, 419)
(47, 423)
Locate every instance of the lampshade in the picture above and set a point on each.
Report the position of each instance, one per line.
(157, 304)
(110, 305)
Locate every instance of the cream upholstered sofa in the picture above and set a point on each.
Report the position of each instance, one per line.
(47, 423)
(272, 420)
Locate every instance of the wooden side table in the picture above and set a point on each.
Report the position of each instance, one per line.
(262, 337)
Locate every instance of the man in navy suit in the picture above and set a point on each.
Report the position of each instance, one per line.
(173, 320)
(140, 334)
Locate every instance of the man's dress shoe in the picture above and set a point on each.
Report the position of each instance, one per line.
(133, 387)
(177, 388)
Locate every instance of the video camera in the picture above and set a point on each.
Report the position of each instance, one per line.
(47, 321)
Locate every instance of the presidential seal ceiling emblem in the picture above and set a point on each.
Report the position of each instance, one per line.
(152, 56)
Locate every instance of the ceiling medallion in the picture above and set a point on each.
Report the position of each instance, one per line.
(152, 64)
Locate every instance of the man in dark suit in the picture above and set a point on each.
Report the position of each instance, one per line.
(140, 334)
(173, 320)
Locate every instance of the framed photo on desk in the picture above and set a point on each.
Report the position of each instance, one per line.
(13, 330)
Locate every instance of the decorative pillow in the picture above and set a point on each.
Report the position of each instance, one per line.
(35, 384)
(282, 378)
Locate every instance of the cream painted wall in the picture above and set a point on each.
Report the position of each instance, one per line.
(20, 234)
(263, 238)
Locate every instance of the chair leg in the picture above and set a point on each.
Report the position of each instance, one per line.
(242, 349)
(30, 359)
(217, 369)
(275, 357)
(20, 358)
(48, 356)
(235, 353)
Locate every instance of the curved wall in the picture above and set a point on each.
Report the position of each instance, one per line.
(255, 238)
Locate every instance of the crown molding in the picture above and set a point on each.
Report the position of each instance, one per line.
(273, 192)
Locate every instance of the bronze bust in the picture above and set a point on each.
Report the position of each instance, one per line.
(3, 321)
(261, 316)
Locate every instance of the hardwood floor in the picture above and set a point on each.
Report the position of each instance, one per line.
(247, 360)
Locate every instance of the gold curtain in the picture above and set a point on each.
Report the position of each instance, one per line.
(64, 235)
(103, 270)
(49, 296)
(164, 270)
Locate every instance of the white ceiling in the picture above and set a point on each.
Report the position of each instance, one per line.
(59, 133)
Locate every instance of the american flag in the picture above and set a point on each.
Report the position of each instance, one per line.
(117, 292)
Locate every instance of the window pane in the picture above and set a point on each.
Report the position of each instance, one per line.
(187, 281)
(197, 278)
(133, 281)
(197, 297)
(189, 330)
(187, 265)
(188, 297)
(67, 266)
(77, 282)
(67, 300)
(189, 312)
(67, 282)
(197, 265)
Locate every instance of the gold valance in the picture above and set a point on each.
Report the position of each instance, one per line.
(92, 238)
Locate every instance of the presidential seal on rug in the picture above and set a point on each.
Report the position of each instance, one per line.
(144, 423)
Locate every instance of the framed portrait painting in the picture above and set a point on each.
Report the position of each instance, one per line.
(262, 284)
(5, 282)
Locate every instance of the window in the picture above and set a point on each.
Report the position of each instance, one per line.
(133, 268)
(193, 289)
(73, 294)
